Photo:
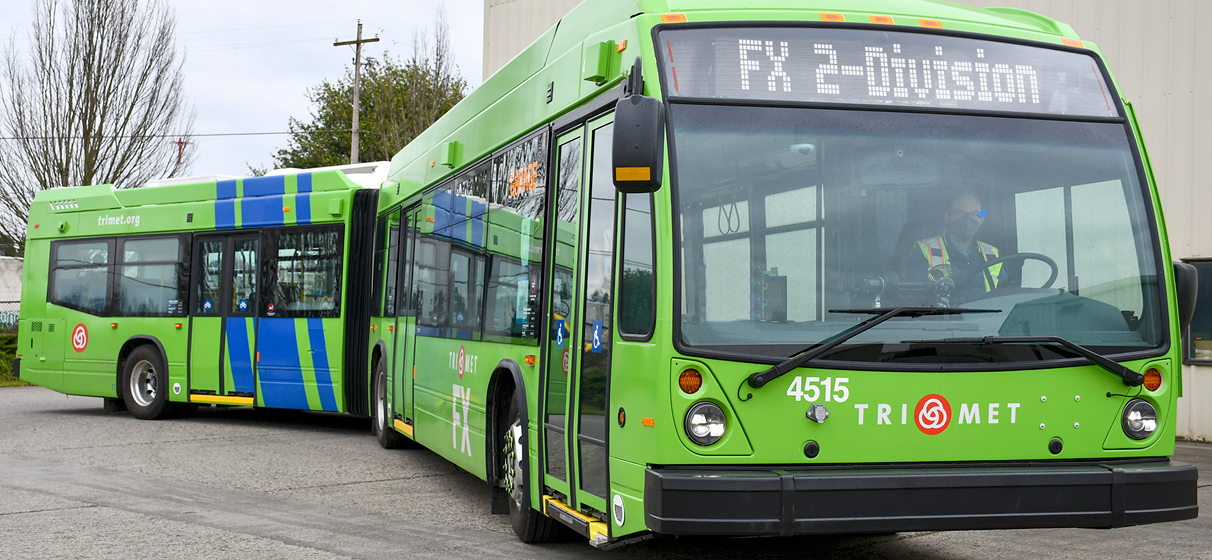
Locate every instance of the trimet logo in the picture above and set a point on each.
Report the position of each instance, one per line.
(79, 338)
(462, 362)
(932, 415)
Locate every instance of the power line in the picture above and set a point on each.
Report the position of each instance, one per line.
(202, 135)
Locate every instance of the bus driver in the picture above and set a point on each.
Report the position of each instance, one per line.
(957, 254)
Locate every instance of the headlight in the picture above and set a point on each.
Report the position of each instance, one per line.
(1140, 419)
(705, 423)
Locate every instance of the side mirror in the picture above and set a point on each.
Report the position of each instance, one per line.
(1186, 290)
(639, 138)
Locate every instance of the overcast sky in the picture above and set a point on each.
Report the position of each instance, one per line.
(249, 62)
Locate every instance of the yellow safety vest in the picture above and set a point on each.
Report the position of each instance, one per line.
(935, 250)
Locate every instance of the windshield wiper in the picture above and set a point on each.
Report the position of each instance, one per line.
(757, 380)
(1131, 377)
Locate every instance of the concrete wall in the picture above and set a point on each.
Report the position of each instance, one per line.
(10, 279)
(1157, 50)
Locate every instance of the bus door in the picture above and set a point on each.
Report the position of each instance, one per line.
(223, 331)
(591, 376)
(406, 326)
(560, 354)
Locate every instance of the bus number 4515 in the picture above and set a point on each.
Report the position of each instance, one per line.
(812, 388)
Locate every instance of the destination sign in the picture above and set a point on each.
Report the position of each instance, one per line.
(889, 68)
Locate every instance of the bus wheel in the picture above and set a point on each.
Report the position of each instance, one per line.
(388, 437)
(145, 384)
(529, 525)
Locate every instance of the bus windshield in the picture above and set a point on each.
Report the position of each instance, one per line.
(788, 213)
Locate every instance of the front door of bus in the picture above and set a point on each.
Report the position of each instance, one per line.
(222, 358)
(580, 304)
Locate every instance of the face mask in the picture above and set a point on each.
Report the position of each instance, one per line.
(963, 228)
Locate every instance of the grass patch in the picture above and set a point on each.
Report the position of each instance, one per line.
(8, 351)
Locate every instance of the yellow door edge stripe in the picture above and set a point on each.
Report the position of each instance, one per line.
(220, 399)
(402, 427)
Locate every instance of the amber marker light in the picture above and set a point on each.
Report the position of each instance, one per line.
(113, 325)
(832, 17)
(1153, 379)
(622, 46)
(882, 20)
(286, 209)
(690, 381)
(1073, 43)
(931, 23)
(529, 359)
(673, 18)
(177, 326)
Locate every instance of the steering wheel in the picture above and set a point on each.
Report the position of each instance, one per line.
(1016, 257)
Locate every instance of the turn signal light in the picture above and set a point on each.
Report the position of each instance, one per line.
(1153, 379)
(529, 359)
(690, 381)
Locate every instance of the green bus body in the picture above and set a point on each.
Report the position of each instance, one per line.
(78, 347)
(503, 262)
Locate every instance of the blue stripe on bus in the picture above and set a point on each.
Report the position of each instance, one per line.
(319, 360)
(281, 374)
(303, 205)
(225, 189)
(264, 211)
(225, 214)
(240, 355)
(265, 186)
(304, 182)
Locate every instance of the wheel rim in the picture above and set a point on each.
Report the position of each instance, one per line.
(513, 461)
(143, 383)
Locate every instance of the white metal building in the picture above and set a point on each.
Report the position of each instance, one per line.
(1154, 49)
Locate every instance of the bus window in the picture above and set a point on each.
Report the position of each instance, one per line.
(154, 277)
(466, 287)
(306, 274)
(430, 280)
(209, 270)
(637, 283)
(81, 276)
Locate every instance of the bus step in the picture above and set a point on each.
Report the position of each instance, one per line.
(589, 527)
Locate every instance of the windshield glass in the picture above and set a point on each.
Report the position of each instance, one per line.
(788, 213)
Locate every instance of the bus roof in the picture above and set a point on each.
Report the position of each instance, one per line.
(514, 100)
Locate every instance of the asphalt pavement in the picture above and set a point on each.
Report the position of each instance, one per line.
(77, 482)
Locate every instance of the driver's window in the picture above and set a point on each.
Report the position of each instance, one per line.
(1095, 218)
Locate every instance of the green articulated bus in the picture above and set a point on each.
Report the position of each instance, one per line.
(691, 267)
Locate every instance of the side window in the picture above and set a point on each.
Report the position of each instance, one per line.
(389, 281)
(637, 285)
(430, 280)
(208, 264)
(380, 260)
(1199, 334)
(305, 274)
(514, 240)
(80, 275)
(467, 288)
(154, 277)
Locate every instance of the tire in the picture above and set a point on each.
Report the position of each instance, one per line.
(380, 422)
(529, 525)
(144, 384)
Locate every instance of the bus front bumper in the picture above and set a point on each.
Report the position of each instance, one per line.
(797, 501)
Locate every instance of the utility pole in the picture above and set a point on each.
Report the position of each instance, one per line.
(181, 144)
(357, 43)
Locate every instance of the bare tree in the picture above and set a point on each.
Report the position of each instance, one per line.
(97, 98)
